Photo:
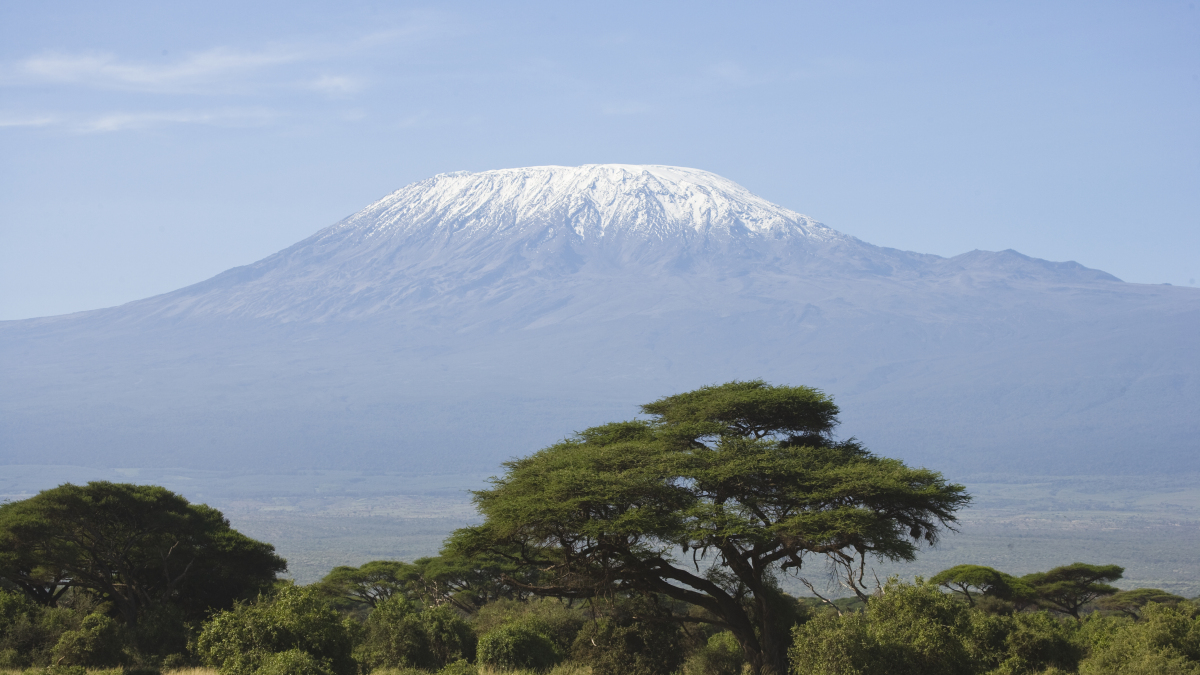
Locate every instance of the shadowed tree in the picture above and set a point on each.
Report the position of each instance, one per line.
(369, 584)
(720, 491)
(135, 545)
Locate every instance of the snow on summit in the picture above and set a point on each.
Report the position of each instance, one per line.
(593, 201)
(530, 235)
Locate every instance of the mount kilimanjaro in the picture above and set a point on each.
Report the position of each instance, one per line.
(472, 317)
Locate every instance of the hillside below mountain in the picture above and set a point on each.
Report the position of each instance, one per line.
(472, 317)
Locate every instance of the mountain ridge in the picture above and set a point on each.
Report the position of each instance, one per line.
(410, 332)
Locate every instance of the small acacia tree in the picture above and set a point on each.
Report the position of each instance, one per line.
(706, 502)
(985, 581)
(369, 584)
(1068, 588)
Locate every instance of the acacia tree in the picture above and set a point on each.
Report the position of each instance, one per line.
(986, 582)
(1131, 603)
(371, 583)
(1068, 588)
(722, 489)
(135, 545)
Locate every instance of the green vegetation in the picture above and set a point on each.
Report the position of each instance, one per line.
(115, 573)
(742, 479)
(651, 547)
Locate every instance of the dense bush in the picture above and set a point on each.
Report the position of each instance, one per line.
(97, 642)
(625, 646)
(523, 644)
(1165, 641)
(554, 618)
(393, 637)
(1032, 642)
(263, 635)
(34, 635)
(909, 629)
(720, 656)
(917, 629)
(399, 635)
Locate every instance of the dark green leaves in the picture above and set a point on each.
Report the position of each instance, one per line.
(742, 475)
(754, 409)
(136, 545)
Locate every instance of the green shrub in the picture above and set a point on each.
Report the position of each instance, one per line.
(397, 635)
(245, 639)
(450, 637)
(293, 662)
(917, 629)
(393, 637)
(97, 642)
(1165, 641)
(626, 647)
(1036, 642)
(909, 629)
(722, 655)
(519, 645)
(459, 667)
(552, 617)
(29, 632)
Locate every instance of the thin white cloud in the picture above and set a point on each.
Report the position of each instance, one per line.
(337, 84)
(196, 71)
(27, 120)
(140, 120)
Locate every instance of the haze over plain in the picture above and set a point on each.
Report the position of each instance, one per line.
(146, 149)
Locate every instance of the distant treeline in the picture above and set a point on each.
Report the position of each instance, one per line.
(647, 547)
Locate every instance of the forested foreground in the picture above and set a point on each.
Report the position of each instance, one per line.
(653, 546)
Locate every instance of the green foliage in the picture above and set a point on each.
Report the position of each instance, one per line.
(986, 582)
(747, 409)
(519, 645)
(909, 629)
(1032, 643)
(29, 632)
(450, 637)
(1068, 588)
(397, 634)
(97, 642)
(469, 581)
(720, 656)
(742, 474)
(1130, 602)
(394, 637)
(637, 638)
(917, 629)
(1166, 641)
(550, 616)
(293, 662)
(247, 638)
(369, 584)
(459, 667)
(135, 545)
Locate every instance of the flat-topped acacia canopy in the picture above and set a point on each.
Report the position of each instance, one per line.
(743, 476)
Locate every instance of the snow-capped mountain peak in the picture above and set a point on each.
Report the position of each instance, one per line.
(592, 201)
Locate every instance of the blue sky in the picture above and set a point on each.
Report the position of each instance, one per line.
(147, 146)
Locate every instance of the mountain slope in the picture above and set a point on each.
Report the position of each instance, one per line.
(478, 316)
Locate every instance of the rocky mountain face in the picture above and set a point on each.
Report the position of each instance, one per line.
(472, 317)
